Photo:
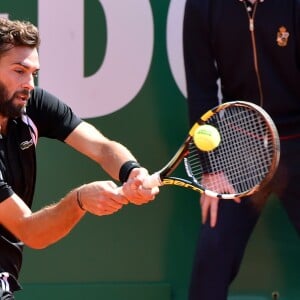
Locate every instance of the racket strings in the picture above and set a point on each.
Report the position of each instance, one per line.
(244, 156)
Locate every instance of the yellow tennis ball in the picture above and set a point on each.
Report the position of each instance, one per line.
(207, 137)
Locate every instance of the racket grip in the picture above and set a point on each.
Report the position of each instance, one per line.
(152, 181)
(120, 190)
(149, 183)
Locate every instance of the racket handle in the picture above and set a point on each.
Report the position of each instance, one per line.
(152, 181)
(120, 190)
(149, 183)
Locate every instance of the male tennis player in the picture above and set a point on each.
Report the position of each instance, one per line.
(27, 113)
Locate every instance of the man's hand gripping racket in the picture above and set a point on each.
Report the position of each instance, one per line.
(230, 152)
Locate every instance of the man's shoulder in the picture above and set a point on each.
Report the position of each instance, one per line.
(37, 92)
(40, 97)
(40, 102)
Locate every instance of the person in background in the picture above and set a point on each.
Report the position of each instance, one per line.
(26, 114)
(242, 50)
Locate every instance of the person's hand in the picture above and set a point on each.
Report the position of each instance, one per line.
(133, 189)
(101, 198)
(209, 205)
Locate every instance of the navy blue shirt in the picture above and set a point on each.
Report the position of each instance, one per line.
(251, 66)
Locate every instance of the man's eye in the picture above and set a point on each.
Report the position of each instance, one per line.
(35, 74)
(19, 71)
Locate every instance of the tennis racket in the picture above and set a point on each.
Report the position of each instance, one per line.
(244, 161)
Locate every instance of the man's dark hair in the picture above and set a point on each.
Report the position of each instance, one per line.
(15, 33)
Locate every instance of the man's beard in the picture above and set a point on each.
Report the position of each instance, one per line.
(7, 106)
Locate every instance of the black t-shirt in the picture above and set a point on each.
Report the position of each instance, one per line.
(46, 116)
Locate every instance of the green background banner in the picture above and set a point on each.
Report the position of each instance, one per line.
(142, 252)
